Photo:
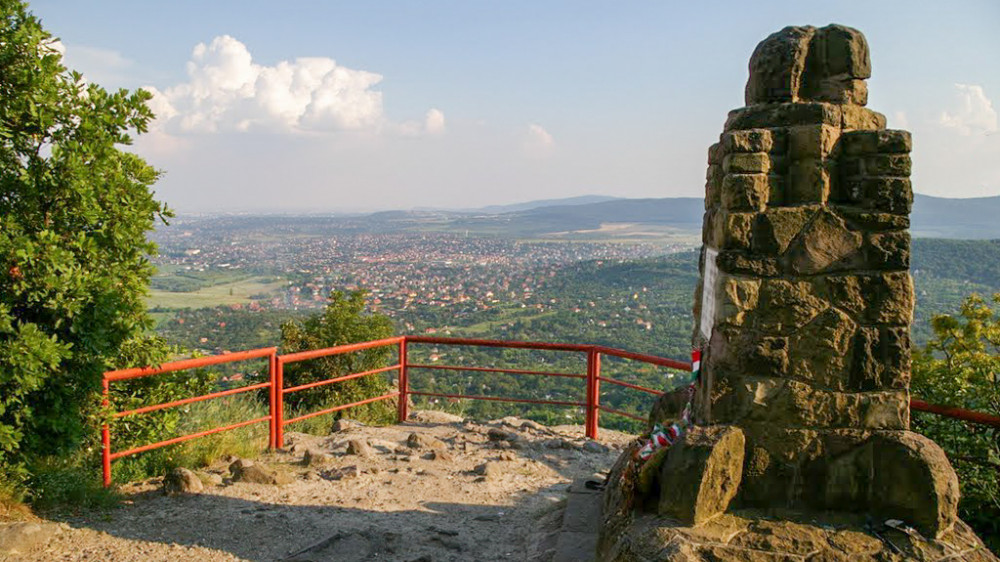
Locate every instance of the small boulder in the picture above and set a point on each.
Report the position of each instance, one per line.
(297, 442)
(210, 478)
(496, 434)
(595, 447)
(343, 424)
(342, 473)
(557, 443)
(182, 481)
(257, 474)
(315, 457)
(359, 448)
(237, 465)
(701, 473)
(441, 455)
(23, 537)
(383, 446)
(533, 425)
(490, 470)
(421, 441)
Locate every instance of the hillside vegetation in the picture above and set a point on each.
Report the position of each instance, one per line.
(638, 305)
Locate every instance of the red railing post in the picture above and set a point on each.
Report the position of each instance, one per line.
(106, 435)
(404, 383)
(272, 371)
(593, 393)
(278, 412)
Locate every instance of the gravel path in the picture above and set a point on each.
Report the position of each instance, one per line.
(458, 491)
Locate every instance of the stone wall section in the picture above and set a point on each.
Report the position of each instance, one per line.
(814, 298)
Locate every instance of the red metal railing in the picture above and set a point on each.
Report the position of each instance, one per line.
(956, 413)
(107, 455)
(592, 402)
(278, 413)
(277, 391)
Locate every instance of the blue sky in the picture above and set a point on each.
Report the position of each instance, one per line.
(467, 103)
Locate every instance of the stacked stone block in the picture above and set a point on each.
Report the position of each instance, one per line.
(808, 350)
(814, 293)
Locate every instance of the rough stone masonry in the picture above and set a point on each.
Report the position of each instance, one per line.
(806, 327)
(804, 310)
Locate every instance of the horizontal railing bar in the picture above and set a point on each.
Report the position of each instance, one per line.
(645, 358)
(338, 350)
(630, 385)
(956, 413)
(494, 370)
(340, 379)
(499, 399)
(500, 343)
(181, 439)
(183, 364)
(621, 413)
(166, 405)
(342, 407)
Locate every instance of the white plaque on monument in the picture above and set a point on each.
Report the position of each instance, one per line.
(708, 293)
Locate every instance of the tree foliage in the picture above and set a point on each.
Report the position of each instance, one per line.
(960, 366)
(343, 321)
(74, 211)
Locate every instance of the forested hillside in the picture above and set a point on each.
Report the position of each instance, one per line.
(641, 305)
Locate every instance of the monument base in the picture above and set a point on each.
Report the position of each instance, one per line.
(744, 493)
(782, 535)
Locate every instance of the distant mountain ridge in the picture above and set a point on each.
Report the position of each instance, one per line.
(535, 204)
(933, 217)
(976, 218)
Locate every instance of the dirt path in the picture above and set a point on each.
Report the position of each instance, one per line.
(489, 491)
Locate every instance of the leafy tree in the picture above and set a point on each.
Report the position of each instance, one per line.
(343, 321)
(960, 366)
(74, 210)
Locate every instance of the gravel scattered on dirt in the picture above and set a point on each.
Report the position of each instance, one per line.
(436, 488)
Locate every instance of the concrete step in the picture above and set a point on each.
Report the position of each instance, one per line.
(577, 540)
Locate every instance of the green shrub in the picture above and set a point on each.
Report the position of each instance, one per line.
(343, 321)
(74, 259)
(959, 367)
(58, 482)
(245, 442)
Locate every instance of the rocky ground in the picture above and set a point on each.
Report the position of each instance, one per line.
(786, 536)
(434, 489)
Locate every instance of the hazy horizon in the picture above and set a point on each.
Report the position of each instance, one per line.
(351, 107)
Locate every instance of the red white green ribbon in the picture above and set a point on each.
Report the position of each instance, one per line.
(663, 437)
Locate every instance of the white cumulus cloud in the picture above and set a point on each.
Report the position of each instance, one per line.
(434, 122)
(974, 113)
(537, 140)
(227, 91)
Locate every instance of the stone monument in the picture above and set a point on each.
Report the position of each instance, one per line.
(803, 315)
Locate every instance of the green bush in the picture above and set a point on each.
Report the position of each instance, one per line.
(74, 259)
(343, 321)
(245, 442)
(959, 367)
(58, 482)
